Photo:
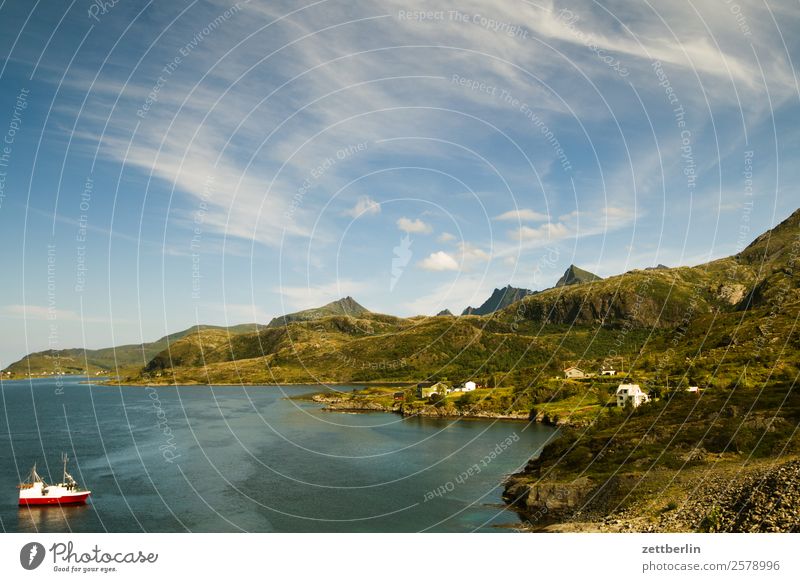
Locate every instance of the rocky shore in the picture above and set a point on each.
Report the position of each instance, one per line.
(345, 403)
(725, 498)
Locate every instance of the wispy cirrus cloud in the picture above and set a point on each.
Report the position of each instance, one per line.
(328, 81)
(522, 214)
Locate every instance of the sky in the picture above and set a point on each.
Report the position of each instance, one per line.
(170, 163)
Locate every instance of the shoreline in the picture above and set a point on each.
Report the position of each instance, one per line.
(264, 384)
(335, 403)
(725, 497)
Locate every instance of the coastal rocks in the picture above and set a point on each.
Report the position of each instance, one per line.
(448, 410)
(357, 405)
(750, 500)
(542, 502)
(345, 403)
(553, 419)
(767, 501)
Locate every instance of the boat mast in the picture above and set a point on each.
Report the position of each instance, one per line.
(64, 458)
(34, 476)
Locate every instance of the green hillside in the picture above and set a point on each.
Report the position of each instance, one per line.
(107, 360)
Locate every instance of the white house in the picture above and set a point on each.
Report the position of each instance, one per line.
(469, 386)
(694, 389)
(439, 388)
(608, 372)
(631, 393)
(573, 372)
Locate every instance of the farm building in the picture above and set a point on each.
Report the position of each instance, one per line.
(631, 394)
(428, 391)
(573, 372)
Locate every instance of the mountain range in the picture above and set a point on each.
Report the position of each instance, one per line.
(703, 321)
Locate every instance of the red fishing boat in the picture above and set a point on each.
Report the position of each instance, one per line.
(34, 491)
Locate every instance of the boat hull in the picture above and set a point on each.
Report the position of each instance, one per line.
(76, 499)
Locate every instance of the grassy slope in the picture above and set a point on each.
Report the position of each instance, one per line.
(74, 361)
(744, 349)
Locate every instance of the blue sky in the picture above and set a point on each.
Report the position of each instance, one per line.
(180, 162)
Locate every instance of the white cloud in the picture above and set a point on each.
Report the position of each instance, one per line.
(546, 232)
(415, 226)
(471, 254)
(446, 237)
(439, 261)
(365, 206)
(523, 214)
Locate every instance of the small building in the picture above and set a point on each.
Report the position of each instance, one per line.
(573, 372)
(695, 389)
(399, 395)
(631, 394)
(608, 372)
(468, 386)
(428, 391)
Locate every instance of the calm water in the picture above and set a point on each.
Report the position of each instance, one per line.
(249, 459)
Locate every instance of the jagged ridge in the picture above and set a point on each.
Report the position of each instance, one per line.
(499, 299)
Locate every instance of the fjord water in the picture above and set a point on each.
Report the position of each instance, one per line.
(232, 458)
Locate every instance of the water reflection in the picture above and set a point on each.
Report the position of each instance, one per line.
(49, 518)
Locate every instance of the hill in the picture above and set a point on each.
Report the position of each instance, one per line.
(345, 306)
(108, 360)
(575, 276)
(682, 463)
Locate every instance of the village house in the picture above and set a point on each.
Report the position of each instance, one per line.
(694, 389)
(608, 372)
(631, 394)
(573, 372)
(468, 386)
(428, 391)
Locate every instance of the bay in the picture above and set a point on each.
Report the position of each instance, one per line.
(233, 458)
